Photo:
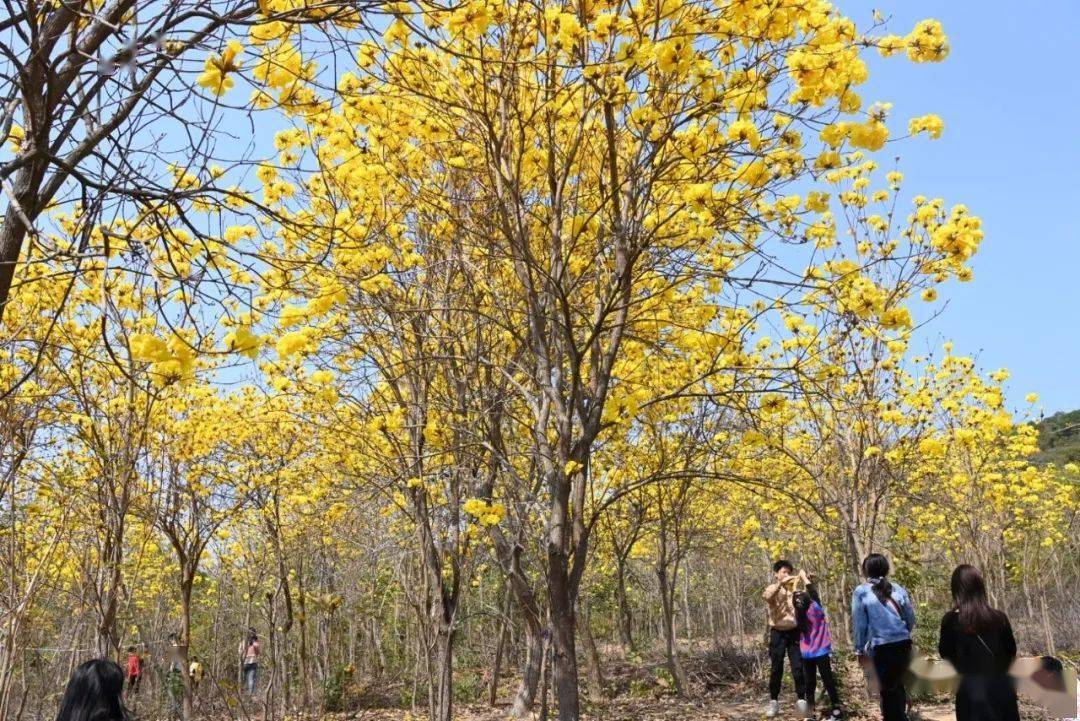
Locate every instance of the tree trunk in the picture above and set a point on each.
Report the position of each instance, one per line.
(854, 553)
(1025, 582)
(270, 688)
(13, 231)
(534, 661)
(509, 559)
(107, 641)
(667, 609)
(1047, 631)
(845, 612)
(562, 637)
(500, 645)
(545, 676)
(305, 664)
(626, 637)
(596, 670)
(442, 685)
(186, 705)
(688, 619)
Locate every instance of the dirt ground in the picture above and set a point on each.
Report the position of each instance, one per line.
(726, 686)
(712, 708)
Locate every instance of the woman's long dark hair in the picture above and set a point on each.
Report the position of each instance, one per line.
(969, 595)
(801, 601)
(94, 693)
(876, 569)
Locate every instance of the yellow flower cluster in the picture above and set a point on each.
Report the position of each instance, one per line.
(829, 66)
(488, 514)
(217, 74)
(927, 43)
(960, 236)
(170, 361)
(930, 124)
(296, 342)
(16, 135)
(870, 135)
(243, 341)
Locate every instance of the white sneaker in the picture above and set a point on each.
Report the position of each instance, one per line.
(802, 706)
(774, 709)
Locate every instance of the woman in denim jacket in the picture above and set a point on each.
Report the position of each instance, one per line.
(884, 617)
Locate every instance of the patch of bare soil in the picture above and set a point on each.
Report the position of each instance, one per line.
(722, 685)
(712, 707)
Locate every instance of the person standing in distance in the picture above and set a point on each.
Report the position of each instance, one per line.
(249, 655)
(134, 670)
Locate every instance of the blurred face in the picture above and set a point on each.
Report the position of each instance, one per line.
(783, 573)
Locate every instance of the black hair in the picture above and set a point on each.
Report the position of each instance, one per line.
(969, 595)
(131, 649)
(94, 693)
(1050, 674)
(782, 563)
(802, 601)
(876, 569)
(1049, 663)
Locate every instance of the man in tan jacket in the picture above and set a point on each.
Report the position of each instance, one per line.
(784, 636)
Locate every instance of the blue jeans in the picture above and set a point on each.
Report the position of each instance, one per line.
(251, 674)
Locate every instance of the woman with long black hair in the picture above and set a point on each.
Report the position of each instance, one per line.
(94, 693)
(979, 642)
(884, 617)
(815, 644)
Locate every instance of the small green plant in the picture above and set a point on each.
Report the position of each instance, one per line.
(664, 679)
(640, 688)
(334, 688)
(468, 686)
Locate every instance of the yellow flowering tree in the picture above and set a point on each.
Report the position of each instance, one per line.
(586, 169)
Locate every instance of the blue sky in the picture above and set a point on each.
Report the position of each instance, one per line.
(1009, 94)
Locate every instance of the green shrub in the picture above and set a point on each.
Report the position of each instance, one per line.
(334, 688)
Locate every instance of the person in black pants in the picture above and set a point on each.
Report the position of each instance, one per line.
(883, 618)
(978, 640)
(815, 643)
(811, 666)
(891, 662)
(784, 636)
(784, 643)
